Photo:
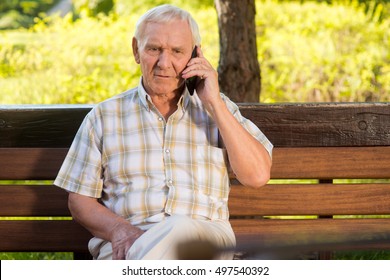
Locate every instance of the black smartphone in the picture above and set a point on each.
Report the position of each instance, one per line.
(191, 82)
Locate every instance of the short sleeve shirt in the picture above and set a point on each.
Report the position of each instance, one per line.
(141, 166)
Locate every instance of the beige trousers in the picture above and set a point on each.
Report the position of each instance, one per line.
(161, 240)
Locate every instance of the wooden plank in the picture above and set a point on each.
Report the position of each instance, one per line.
(43, 236)
(331, 163)
(41, 125)
(286, 125)
(67, 236)
(30, 163)
(33, 200)
(324, 199)
(322, 124)
(353, 233)
(288, 163)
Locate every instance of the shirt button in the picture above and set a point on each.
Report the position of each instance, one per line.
(167, 151)
(160, 119)
(170, 181)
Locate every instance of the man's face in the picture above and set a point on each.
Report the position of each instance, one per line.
(163, 54)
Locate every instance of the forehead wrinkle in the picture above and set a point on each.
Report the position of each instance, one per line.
(174, 38)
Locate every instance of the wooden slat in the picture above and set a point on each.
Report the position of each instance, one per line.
(286, 125)
(288, 163)
(331, 163)
(375, 233)
(324, 200)
(30, 163)
(40, 126)
(33, 200)
(43, 236)
(322, 124)
(68, 236)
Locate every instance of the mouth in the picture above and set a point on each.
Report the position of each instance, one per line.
(161, 76)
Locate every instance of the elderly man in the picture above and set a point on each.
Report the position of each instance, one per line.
(148, 168)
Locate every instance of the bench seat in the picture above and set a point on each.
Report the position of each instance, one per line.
(329, 188)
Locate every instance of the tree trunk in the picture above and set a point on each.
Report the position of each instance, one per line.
(239, 70)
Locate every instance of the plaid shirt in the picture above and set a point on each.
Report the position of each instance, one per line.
(143, 167)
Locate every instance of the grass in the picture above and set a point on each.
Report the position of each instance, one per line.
(36, 256)
(362, 255)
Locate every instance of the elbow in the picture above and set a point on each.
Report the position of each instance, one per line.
(263, 180)
(72, 205)
(257, 178)
(257, 181)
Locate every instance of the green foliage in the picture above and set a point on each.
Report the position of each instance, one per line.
(36, 256)
(322, 52)
(92, 8)
(363, 255)
(66, 61)
(15, 13)
(308, 51)
(125, 7)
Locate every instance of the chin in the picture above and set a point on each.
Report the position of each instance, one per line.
(165, 89)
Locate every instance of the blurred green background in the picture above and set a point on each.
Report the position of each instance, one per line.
(309, 51)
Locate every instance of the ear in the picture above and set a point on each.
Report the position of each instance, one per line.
(135, 50)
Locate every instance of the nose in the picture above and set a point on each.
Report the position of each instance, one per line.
(164, 60)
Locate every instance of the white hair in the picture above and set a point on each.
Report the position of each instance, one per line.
(166, 13)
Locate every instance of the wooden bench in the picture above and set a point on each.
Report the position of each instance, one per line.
(313, 197)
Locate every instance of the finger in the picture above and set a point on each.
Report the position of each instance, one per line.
(201, 59)
(114, 255)
(199, 52)
(195, 69)
(118, 254)
(203, 76)
(121, 255)
(196, 61)
(201, 73)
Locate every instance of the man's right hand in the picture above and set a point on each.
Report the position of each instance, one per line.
(123, 235)
(103, 223)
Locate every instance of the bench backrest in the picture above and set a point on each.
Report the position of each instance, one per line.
(33, 143)
(342, 152)
(320, 152)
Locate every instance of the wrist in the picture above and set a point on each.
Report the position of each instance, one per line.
(215, 106)
(116, 227)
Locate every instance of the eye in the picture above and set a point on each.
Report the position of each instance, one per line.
(153, 50)
(178, 52)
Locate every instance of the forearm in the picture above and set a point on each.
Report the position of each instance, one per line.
(96, 218)
(248, 158)
(103, 223)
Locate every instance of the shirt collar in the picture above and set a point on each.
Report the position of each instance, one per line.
(143, 95)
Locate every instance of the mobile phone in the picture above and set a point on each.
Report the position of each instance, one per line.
(191, 82)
